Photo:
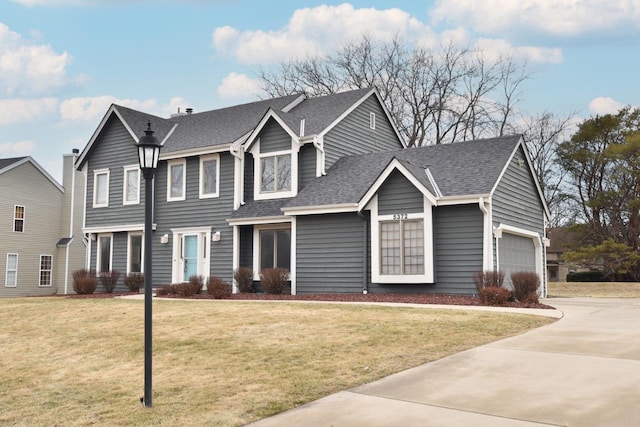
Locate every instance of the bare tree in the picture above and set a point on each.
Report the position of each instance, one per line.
(435, 96)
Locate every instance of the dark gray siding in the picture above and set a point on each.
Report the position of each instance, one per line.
(516, 201)
(246, 246)
(398, 195)
(248, 176)
(457, 247)
(306, 165)
(330, 254)
(354, 136)
(274, 138)
(114, 150)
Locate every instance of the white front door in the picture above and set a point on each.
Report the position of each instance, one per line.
(191, 253)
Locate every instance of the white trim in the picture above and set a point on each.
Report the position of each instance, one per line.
(201, 151)
(126, 170)
(258, 194)
(204, 241)
(256, 244)
(259, 220)
(487, 233)
(270, 114)
(96, 173)
(372, 120)
(40, 270)
(427, 222)
(37, 166)
(293, 260)
(433, 182)
(322, 209)
(129, 235)
(114, 228)
(99, 249)
(170, 164)
(235, 257)
(318, 143)
(23, 219)
(539, 248)
(6, 271)
(208, 158)
(461, 200)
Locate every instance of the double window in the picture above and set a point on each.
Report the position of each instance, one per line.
(101, 188)
(275, 173)
(46, 268)
(402, 247)
(131, 188)
(11, 273)
(18, 219)
(275, 249)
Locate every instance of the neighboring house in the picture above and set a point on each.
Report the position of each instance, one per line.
(561, 239)
(40, 237)
(321, 186)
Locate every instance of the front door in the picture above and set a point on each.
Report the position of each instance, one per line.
(190, 258)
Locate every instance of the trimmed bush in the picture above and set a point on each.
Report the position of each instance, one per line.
(484, 279)
(109, 280)
(218, 288)
(274, 280)
(185, 289)
(244, 278)
(525, 286)
(134, 281)
(84, 281)
(586, 276)
(494, 295)
(197, 283)
(165, 290)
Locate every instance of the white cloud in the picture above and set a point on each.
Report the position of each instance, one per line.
(604, 105)
(315, 31)
(495, 48)
(27, 68)
(558, 18)
(16, 149)
(238, 87)
(83, 109)
(14, 111)
(176, 104)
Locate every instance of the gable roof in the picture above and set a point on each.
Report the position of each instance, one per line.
(10, 163)
(461, 169)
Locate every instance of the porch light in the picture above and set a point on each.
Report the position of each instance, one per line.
(148, 152)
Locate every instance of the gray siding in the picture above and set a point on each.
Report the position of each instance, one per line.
(248, 176)
(516, 201)
(398, 195)
(246, 246)
(330, 253)
(306, 165)
(114, 150)
(354, 136)
(457, 248)
(274, 138)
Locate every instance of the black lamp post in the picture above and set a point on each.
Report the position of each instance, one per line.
(148, 153)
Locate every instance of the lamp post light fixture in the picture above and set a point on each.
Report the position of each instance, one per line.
(148, 153)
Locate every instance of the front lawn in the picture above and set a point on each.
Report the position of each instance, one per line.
(594, 289)
(80, 361)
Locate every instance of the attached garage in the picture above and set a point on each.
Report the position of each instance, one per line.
(518, 250)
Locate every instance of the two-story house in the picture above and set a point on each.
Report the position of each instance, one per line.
(321, 186)
(41, 241)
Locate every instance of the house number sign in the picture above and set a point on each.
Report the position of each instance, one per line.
(400, 216)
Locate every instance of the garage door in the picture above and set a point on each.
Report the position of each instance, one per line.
(517, 253)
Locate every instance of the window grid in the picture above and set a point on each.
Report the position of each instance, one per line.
(276, 173)
(46, 267)
(18, 219)
(402, 247)
(11, 273)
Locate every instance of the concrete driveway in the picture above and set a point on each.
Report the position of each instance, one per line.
(583, 370)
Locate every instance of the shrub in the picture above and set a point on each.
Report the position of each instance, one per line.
(197, 283)
(84, 281)
(109, 280)
(184, 289)
(274, 280)
(244, 278)
(585, 276)
(134, 281)
(494, 295)
(218, 288)
(483, 279)
(525, 286)
(165, 290)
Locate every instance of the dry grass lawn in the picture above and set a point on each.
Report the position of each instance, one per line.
(594, 289)
(80, 361)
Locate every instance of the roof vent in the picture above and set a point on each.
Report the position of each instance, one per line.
(178, 114)
(75, 151)
(189, 110)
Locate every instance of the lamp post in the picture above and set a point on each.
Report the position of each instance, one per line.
(148, 153)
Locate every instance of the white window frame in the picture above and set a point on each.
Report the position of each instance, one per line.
(266, 195)
(40, 270)
(170, 164)
(7, 270)
(125, 187)
(96, 173)
(15, 218)
(256, 244)
(427, 228)
(372, 121)
(99, 252)
(129, 235)
(203, 159)
(204, 251)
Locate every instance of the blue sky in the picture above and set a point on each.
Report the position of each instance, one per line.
(63, 62)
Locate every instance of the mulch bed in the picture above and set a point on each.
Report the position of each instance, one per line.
(396, 298)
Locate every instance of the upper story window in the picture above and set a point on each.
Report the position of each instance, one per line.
(176, 182)
(131, 189)
(275, 173)
(209, 176)
(18, 219)
(101, 188)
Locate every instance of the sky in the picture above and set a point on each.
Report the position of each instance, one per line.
(64, 62)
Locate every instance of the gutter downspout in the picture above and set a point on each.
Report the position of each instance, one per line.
(365, 264)
(319, 144)
(238, 154)
(72, 209)
(487, 236)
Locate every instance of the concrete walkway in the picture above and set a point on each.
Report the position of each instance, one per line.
(583, 370)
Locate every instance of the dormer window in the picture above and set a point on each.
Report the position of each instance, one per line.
(276, 173)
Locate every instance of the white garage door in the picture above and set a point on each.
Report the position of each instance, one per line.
(517, 253)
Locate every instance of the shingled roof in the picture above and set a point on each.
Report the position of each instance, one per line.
(5, 163)
(460, 169)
